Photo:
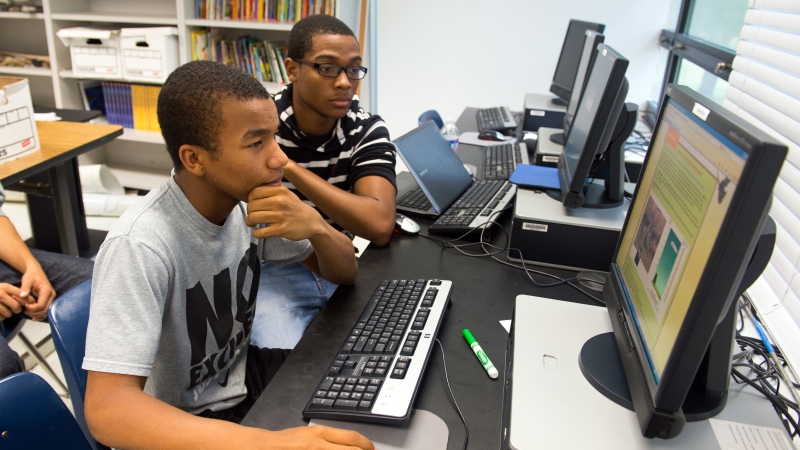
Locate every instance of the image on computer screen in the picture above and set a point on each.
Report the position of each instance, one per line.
(683, 197)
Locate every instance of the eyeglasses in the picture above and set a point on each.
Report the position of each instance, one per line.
(333, 70)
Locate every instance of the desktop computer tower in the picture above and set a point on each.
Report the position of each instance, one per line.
(549, 234)
(540, 111)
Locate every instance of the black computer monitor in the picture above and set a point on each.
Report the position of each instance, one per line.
(694, 221)
(567, 67)
(589, 142)
(592, 39)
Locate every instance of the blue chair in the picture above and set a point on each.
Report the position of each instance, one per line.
(69, 318)
(431, 115)
(34, 417)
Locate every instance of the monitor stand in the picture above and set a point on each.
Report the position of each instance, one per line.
(600, 363)
(595, 196)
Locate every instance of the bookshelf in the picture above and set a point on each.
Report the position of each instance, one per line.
(137, 157)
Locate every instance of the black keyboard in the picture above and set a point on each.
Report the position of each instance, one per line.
(415, 199)
(377, 371)
(501, 160)
(475, 207)
(499, 118)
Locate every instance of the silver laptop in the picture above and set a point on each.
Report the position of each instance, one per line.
(554, 406)
(439, 178)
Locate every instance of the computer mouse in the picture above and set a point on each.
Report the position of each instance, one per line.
(404, 225)
(491, 135)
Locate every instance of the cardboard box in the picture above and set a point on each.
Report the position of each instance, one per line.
(149, 54)
(18, 135)
(95, 53)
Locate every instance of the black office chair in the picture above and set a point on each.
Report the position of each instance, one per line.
(431, 115)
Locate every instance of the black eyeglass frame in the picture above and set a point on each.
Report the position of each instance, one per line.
(361, 69)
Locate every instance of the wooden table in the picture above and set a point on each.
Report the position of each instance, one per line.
(50, 177)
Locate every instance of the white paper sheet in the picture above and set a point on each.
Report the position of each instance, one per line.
(741, 436)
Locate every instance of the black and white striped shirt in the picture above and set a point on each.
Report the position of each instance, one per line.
(358, 146)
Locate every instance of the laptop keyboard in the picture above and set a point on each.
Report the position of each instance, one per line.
(415, 199)
(497, 118)
(480, 199)
(377, 371)
(500, 161)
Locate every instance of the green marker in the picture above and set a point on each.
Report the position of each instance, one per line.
(480, 354)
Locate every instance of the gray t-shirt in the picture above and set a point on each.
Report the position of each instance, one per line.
(173, 299)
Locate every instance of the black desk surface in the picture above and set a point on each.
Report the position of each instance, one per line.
(484, 293)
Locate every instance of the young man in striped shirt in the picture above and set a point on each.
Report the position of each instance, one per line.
(340, 161)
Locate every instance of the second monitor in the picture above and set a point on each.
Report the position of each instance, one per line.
(596, 137)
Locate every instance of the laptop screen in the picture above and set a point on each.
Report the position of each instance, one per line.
(684, 194)
(434, 165)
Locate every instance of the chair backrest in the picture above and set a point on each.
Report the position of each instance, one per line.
(33, 416)
(69, 318)
(431, 115)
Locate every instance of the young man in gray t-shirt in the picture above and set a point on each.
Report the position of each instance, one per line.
(175, 282)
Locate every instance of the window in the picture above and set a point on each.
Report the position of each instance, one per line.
(763, 88)
(702, 45)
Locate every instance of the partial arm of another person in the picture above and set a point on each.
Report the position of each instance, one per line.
(368, 212)
(16, 254)
(121, 415)
(288, 217)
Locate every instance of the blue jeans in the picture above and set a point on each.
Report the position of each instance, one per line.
(64, 273)
(289, 298)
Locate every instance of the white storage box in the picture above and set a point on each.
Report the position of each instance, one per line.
(95, 53)
(149, 54)
(18, 135)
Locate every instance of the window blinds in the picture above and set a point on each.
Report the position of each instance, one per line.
(764, 89)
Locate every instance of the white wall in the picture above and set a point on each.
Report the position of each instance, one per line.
(450, 54)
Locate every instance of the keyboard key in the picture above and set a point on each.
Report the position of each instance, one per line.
(348, 405)
(398, 374)
(326, 383)
(407, 351)
(356, 395)
(332, 394)
(320, 394)
(319, 403)
(337, 387)
(364, 405)
(368, 396)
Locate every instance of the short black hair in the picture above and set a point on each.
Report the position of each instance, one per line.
(188, 105)
(303, 32)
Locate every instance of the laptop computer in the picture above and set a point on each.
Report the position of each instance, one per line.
(440, 187)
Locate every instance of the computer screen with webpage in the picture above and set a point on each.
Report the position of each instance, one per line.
(683, 197)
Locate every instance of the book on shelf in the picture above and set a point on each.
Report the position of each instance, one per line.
(132, 105)
(260, 59)
(263, 10)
